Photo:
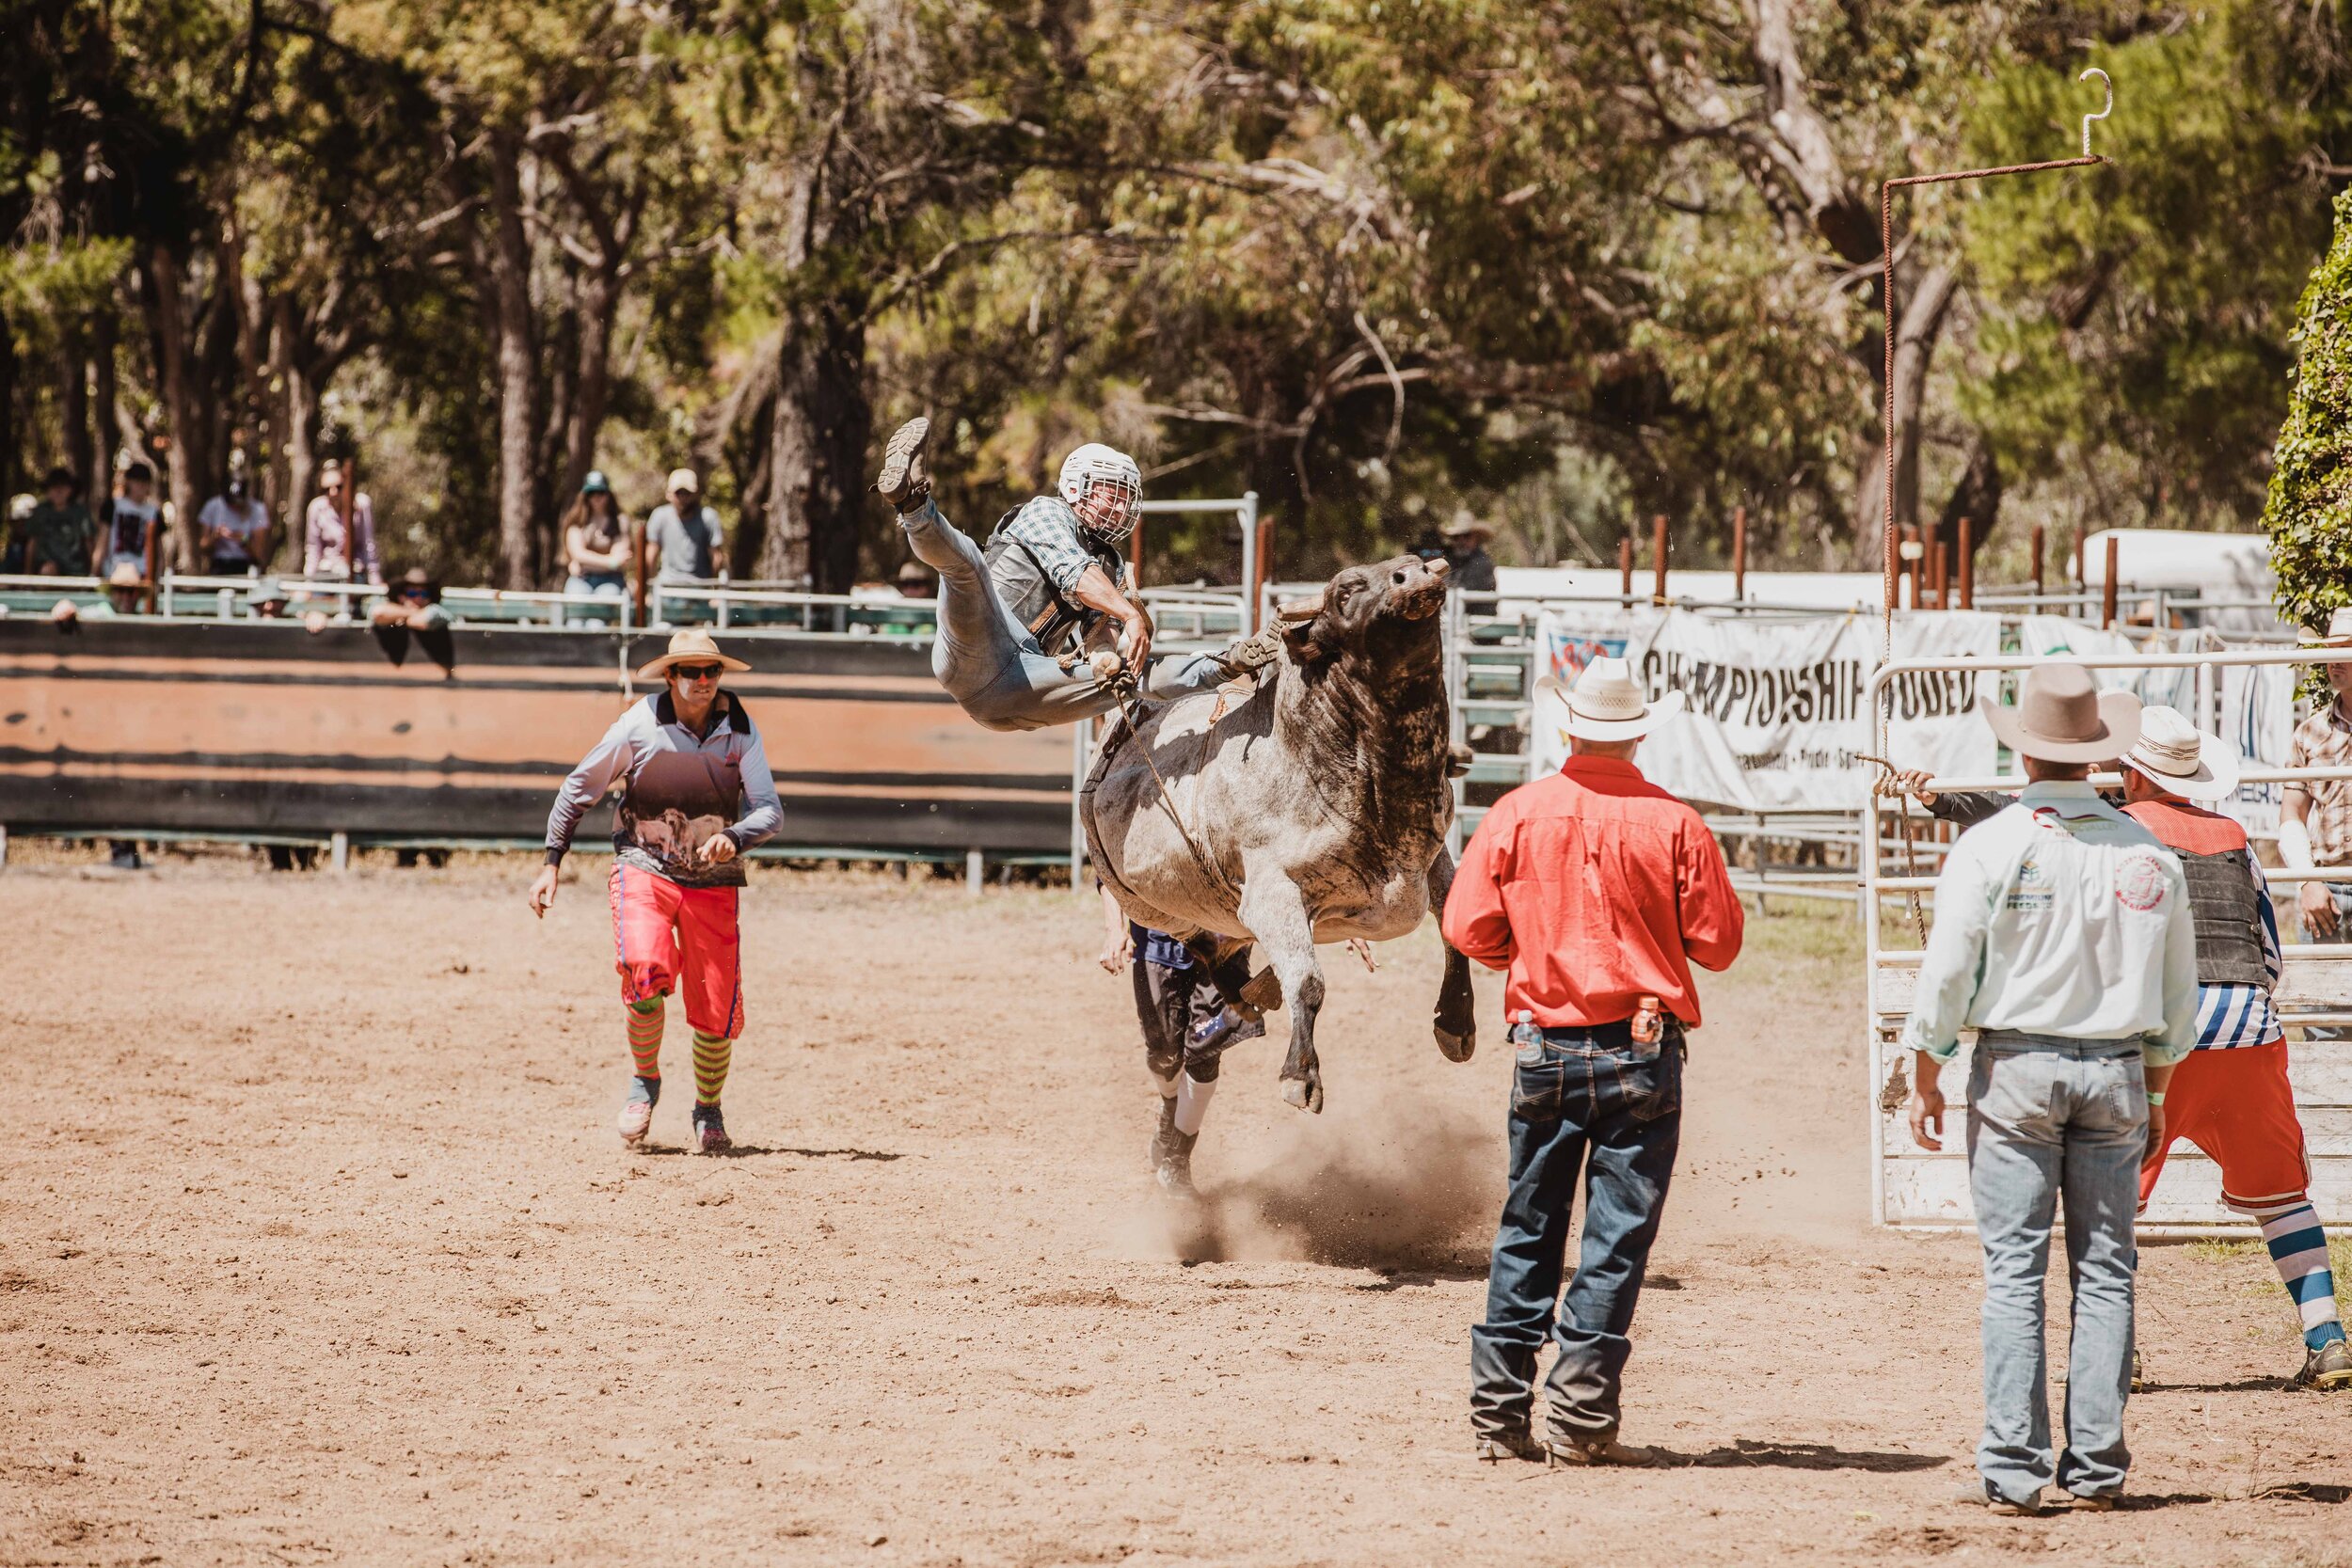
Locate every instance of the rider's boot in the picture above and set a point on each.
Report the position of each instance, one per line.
(904, 482)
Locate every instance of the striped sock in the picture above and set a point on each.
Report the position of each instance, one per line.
(644, 1035)
(2298, 1248)
(713, 1053)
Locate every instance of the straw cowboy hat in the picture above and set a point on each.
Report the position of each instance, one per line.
(2339, 632)
(1606, 703)
(2174, 754)
(2062, 715)
(1464, 526)
(690, 647)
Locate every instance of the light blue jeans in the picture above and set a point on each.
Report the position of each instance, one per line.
(2052, 1119)
(991, 665)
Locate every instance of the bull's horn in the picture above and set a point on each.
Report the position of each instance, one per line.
(1299, 610)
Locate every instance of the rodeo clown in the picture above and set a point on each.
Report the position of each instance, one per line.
(1023, 621)
(695, 793)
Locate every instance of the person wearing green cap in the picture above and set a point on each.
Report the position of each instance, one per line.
(596, 541)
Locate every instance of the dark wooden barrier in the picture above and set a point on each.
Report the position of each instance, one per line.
(262, 728)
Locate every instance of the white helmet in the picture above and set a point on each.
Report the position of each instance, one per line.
(1096, 464)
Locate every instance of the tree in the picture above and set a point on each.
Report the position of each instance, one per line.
(2309, 511)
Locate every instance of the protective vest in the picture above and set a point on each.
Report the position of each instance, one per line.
(1027, 589)
(2221, 897)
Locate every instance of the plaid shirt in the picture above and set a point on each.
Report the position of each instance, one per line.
(2325, 740)
(1050, 530)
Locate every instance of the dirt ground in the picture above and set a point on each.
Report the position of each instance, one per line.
(316, 1245)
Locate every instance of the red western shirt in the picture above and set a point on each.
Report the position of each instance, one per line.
(1594, 888)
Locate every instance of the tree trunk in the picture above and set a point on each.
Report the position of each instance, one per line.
(824, 423)
(73, 410)
(167, 309)
(518, 384)
(1914, 346)
(592, 386)
(7, 407)
(1977, 497)
(105, 424)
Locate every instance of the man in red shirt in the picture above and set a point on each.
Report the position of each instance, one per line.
(1596, 891)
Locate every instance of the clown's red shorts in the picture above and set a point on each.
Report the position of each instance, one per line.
(2239, 1107)
(667, 937)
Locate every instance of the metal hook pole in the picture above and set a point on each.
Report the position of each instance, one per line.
(2102, 114)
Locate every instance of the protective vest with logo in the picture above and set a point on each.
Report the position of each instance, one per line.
(2221, 872)
(1027, 588)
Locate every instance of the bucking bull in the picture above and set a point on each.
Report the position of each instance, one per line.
(1312, 808)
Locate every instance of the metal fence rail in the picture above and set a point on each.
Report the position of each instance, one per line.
(1910, 1187)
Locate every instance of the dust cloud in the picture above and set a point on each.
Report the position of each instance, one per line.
(1401, 1184)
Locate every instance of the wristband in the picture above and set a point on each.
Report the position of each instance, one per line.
(2155, 1097)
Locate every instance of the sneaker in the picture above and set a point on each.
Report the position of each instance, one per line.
(1598, 1450)
(636, 1115)
(902, 482)
(710, 1132)
(1231, 1026)
(1510, 1443)
(2327, 1368)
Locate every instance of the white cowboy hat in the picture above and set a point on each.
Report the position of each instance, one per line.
(690, 647)
(2062, 715)
(2179, 758)
(2339, 632)
(1606, 704)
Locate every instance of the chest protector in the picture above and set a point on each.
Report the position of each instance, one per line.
(1026, 588)
(2229, 933)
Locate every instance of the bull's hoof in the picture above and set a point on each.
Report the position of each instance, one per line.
(1456, 1048)
(1302, 1094)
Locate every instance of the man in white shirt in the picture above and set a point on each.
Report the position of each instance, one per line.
(2063, 938)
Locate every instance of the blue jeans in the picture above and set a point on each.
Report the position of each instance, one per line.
(2051, 1118)
(991, 665)
(1581, 1102)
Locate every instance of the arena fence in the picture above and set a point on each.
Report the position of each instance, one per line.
(1911, 1187)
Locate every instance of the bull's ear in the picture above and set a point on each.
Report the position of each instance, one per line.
(1299, 636)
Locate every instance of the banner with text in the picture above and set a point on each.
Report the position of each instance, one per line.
(1777, 717)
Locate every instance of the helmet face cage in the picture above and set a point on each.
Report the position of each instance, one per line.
(1095, 469)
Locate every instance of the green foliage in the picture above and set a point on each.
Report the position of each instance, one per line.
(2308, 515)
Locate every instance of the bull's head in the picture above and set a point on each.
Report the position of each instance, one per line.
(1384, 616)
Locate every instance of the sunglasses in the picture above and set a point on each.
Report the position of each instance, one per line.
(697, 672)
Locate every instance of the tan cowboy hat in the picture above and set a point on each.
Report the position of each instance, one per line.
(2339, 632)
(2175, 755)
(690, 647)
(2062, 715)
(1464, 526)
(1606, 703)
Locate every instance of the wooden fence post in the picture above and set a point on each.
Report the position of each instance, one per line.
(2037, 560)
(1657, 547)
(1967, 564)
(1738, 552)
(2106, 589)
(1624, 568)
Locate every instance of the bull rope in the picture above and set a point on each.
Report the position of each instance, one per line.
(1209, 868)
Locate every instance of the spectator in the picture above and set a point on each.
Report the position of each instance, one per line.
(596, 541)
(126, 585)
(236, 530)
(131, 520)
(683, 538)
(916, 582)
(414, 602)
(12, 543)
(59, 534)
(266, 599)
(334, 546)
(1466, 554)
